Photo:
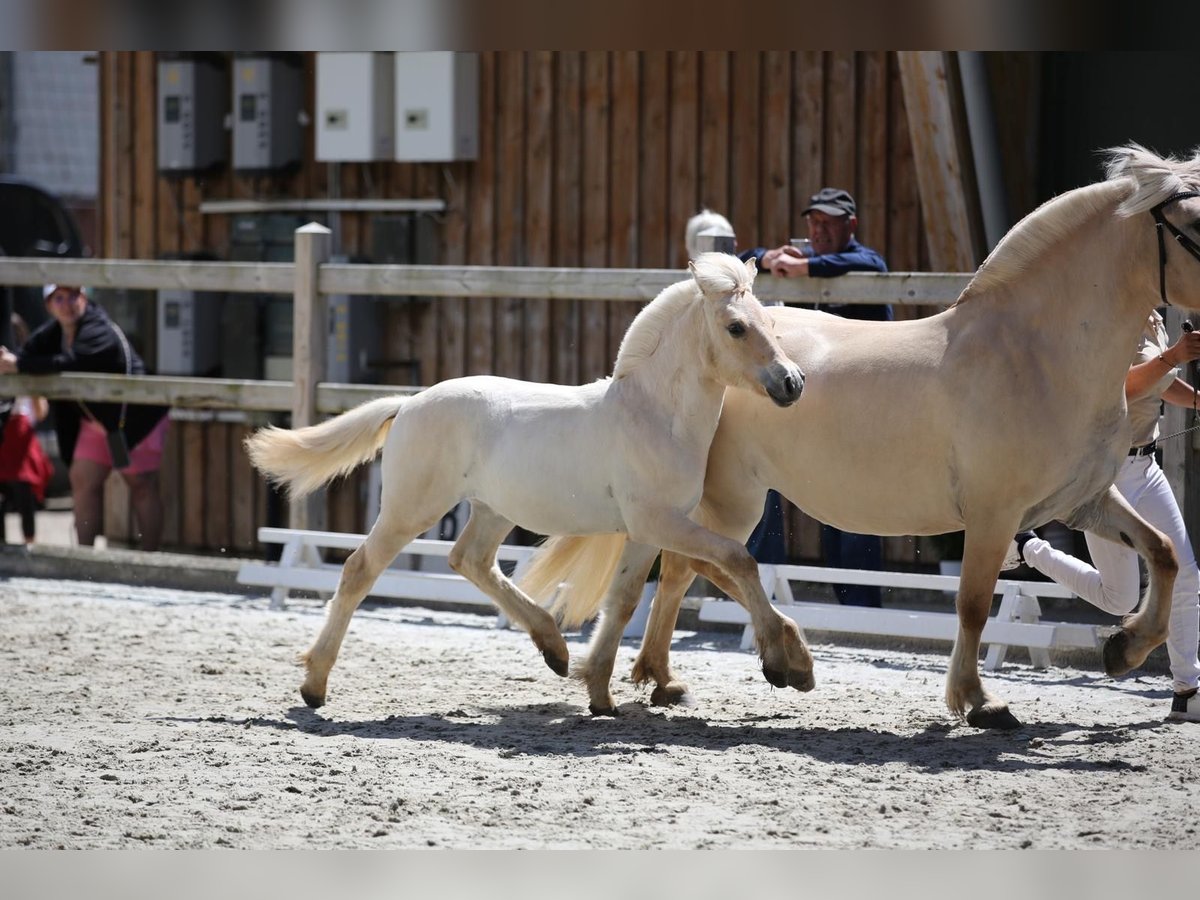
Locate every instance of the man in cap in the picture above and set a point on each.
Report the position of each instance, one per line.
(832, 218)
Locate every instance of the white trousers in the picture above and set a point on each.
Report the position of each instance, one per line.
(1113, 584)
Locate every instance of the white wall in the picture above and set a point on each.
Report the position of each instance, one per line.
(56, 117)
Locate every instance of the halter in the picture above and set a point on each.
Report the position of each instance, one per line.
(1184, 241)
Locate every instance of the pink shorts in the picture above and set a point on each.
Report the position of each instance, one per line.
(145, 457)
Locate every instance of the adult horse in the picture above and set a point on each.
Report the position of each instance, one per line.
(1001, 413)
(625, 454)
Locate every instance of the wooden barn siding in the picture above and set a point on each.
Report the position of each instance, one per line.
(588, 158)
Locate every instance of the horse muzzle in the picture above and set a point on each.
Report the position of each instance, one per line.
(784, 385)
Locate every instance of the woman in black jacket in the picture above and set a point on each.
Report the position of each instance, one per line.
(93, 438)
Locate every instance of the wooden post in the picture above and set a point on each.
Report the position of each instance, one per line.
(942, 162)
(309, 326)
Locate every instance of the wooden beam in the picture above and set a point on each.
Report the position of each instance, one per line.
(941, 159)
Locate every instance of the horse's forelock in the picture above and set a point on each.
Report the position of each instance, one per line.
(1152, 178)
(720, 273)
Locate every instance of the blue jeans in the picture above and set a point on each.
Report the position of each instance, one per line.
(843, 550)
(768, 543)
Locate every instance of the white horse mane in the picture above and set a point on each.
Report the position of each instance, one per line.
(703, 221)
(712, 273)
(1140, 177)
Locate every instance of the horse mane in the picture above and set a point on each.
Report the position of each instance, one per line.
(1139, 177)
(712, 273)
(703, 221)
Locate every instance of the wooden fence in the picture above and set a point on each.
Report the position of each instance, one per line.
(223, 513)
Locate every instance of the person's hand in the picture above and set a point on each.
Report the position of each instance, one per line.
(790, 262)
(1183, 350)
(8, 361)
(769, 258)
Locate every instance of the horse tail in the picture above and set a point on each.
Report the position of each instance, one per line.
(303, 459)
(586, 563)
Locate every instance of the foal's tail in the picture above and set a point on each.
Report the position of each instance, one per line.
(586, 563)
(303, 459)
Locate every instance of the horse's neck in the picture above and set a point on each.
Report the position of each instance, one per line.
(676, 379)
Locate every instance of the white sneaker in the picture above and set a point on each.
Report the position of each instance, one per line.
(1185, 707)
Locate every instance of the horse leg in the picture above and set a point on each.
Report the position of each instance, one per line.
(387, 538)
(982, 555)
(785, 656)
(620, 601)
(1112, 517)
(474, 557)
(653, 661)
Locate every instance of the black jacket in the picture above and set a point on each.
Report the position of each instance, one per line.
(96, 348)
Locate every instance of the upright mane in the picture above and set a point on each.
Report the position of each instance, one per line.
(712, 273)
(1139, 178)
(704, 220)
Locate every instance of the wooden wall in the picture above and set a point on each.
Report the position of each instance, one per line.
(586, 159)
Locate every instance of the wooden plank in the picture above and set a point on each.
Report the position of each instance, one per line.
(243, 486)
(841, 135)
(593, 339)
(684, 155)
(940, 160)
(808, 112)
(872, 162)
(120, 241)
(716, 116)
(567, 232)
(169, 481)
(539, 183)
(904, 195)
(192, 492)
(744, 206)
(452, 312)
(656, 246)
(426, 314)
(510, 207)
(145, 178)
(109, 158)
(623, 186)
(218, 527)
(147, 275)
(776, 158)
(481, 236)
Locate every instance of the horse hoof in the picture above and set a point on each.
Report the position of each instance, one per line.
(558, 664)
(777, 677)
(993, 717)
(610, 711)
(802, 681)
(316, 701)
(1114, 654)
(672, 694)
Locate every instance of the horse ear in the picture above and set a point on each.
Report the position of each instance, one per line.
(752, 265)
(692, 267)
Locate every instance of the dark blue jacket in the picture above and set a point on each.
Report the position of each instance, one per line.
(855, 258)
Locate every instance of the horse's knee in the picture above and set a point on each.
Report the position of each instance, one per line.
(1162, 558)
(973, 613)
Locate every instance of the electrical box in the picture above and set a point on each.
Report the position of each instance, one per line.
(268, 93)
(193, 97)
(353, 341)
(189, 332)
(437, 106)
(356, 114)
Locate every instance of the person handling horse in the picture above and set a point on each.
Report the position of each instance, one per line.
(1112, 583)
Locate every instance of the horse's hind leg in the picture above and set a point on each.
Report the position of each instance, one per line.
(387, 538)
(653, 661)
(622, 599)
(474, 557)
(1112, 517)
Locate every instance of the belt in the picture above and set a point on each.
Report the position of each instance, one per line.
(1147, 450)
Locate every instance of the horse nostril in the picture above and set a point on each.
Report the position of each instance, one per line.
(791, 384)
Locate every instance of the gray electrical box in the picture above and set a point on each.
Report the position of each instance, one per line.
(267, 100)
(193, 96)
(355, 120)
(189, 332)
(437, 106)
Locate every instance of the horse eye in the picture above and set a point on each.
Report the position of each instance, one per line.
(737, 329)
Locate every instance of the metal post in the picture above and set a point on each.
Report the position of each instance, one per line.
(313, 247)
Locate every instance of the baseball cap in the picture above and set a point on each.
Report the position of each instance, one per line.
(832, 202)
(48, 289)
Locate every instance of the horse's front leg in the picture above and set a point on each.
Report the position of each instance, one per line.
(785, 656)
(624, 593)
(1111, 517)
(965, 694)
